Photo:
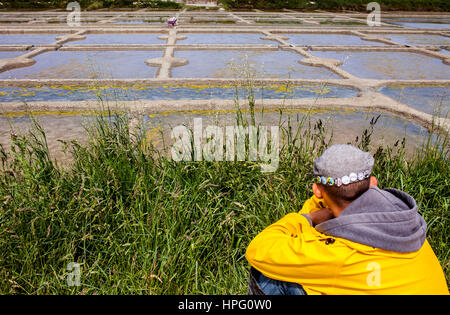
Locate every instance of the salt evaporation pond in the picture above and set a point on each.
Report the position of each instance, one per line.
(434, 100)
(328, 40)
(389, 65)
(119, 39)
(11, 54)
(239, 64)
(419, 39)
(167, 92)
(139, 22)
(30, 39)
(425, 25)
(345, 125)
(224, 38)
(87, 65)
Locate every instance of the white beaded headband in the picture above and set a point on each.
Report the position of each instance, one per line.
(344, 180)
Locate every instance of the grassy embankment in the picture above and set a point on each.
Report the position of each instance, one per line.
(332, 5)
(91, 4)
(337, 5)
(138, 222)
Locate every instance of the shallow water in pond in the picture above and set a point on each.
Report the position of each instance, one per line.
(11, 54)
(430, 25)
(241, 64)
(166, 92)
(419, 39)
(419, 19)
(328, 40)
(434, 100)
(88, 65)
(110, 39)
(346, 126)
(223, 38)
(30, 39)
(139, 22)
(389, 65)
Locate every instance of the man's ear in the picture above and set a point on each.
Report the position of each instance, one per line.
(373, 181)
(316, 190)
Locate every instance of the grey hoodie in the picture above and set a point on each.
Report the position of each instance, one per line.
(385, 219)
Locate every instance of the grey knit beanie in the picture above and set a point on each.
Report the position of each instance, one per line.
(342, 164)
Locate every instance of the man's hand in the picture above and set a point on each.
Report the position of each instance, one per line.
(320, 216)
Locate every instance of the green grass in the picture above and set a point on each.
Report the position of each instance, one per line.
(337, 5)
(201, 8)
(91, 4)
(140, 223)
(243, 5)
(386, 5)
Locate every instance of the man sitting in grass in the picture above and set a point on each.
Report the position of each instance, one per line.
(350, 238)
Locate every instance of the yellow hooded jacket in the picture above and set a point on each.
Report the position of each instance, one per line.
(294, 251)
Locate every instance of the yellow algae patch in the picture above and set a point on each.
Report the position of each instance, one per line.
(402, 86)
(30, 93)
(232, 111)
(153, 133)
(57, 113)
(204, 87)
(152, 137)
